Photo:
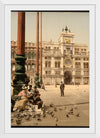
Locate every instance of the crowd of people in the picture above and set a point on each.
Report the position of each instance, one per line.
(27, 94)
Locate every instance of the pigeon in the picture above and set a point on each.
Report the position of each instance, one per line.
(52, 115)
(22, 115)
(27, 117)
(30, 114)
(34, 116)
(56, 119)
(71, 109)
(67, 116)
(55, 109)
(39, 119)
(18, 115)
(50, 112)
(51, 105)
(18, 121)
(47, 112)
(44, 115)
(25, 114)
(78, 115)
(38, 115)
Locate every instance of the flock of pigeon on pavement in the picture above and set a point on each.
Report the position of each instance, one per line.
(18, 118)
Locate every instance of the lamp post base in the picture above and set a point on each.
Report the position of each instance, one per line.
(20, 76)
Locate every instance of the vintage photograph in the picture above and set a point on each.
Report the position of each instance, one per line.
(50, 69)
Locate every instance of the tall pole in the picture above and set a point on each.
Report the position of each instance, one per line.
(20, 76)
(21, 34)
(41, 47)
(37, 44)
(36, 80)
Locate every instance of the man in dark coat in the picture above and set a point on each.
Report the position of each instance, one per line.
(62, 86)
(37, 99)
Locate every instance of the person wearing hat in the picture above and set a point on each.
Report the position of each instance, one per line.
(35, 91)
(30, 88)
(23, 92)
(22, 99)
(62, 86)
(37, 99)
(30, 94)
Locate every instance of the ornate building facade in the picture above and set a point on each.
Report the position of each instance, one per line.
(61, 61)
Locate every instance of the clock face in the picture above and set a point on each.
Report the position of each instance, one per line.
(68, 62)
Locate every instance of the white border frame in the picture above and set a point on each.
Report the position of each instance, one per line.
(6, 37)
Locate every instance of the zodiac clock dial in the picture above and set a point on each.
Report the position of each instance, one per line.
(68, 62)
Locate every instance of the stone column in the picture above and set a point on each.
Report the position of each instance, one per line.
(41, 48)
(20, 76)
(36, 80)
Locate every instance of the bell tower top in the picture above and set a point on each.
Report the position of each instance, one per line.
(66, 36)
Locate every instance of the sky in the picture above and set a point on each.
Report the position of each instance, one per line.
(52, 24)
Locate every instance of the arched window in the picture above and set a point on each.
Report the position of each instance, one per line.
(49, 64)
(32, 66)
(29, 55)
(45, 63)
(33, 55)
(58, 64)
(55, 64)
(14, 54)
(29, 66)
(25, 54)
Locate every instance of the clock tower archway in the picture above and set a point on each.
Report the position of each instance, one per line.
(67, 77)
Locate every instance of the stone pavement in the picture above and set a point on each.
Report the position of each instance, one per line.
(76, 99)
(72, 95)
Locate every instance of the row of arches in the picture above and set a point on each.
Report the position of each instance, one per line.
(28, 55)
(28, 67)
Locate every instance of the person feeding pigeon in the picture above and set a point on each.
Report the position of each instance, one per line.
(30, 94)
(36, 97)
(23, 92)
(22, 100)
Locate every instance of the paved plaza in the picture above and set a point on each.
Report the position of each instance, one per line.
(75, 98)
(72, 94)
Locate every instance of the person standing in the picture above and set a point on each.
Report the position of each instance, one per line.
(62, 86)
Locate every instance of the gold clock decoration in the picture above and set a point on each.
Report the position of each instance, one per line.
(67, 40)
(68, 62)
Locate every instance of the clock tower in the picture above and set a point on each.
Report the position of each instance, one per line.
(66, 44)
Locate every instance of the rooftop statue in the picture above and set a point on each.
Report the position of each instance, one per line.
(66, 28)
